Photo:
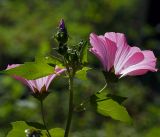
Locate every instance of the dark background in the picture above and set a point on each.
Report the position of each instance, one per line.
(26, 29)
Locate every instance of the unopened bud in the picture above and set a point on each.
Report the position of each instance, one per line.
(62, 25)
(62, 35)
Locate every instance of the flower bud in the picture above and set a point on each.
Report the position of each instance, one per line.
(62, 25)
(62, 35)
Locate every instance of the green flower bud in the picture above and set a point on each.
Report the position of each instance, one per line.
(62, 35)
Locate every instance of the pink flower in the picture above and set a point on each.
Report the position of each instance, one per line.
(114, 52)
(39, 85)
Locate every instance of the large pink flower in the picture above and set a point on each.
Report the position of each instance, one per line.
(39, 85)
(114, 52)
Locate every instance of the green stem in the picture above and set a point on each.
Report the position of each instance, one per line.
(102, 88)
(70, 112)
(44, 123)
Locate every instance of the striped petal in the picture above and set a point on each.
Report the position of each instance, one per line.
(104, 49)
(40, 83)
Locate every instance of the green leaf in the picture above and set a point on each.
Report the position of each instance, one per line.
(21, 129)
(57, 132)
(31, 70)
(48, 60)
(116, 111)
(108, 105)
(36, 125)
(103, 96)
(81, 74)
(83, 53)
(116, 98)
(18, 129)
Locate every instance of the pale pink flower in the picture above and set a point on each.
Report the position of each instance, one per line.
(39, 85)
(114, 52)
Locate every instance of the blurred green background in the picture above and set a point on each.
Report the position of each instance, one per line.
(26, 29)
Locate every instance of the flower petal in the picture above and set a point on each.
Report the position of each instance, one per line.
(58, 71)
(37, 84)
(131, 56)
(104, 49)
(23, 80)
(147, 64)
(112, 49)
(122, 48)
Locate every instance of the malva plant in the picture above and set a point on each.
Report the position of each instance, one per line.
(118, 59)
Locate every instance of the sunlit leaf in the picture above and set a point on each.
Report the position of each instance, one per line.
(31, 70)
(22, 129)
(107, 106)
(111, 108)
(18, 129)
(48, 60)
(57, 132)
(81, 74)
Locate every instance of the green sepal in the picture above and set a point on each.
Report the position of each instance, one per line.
(61, 37)
(40, 96)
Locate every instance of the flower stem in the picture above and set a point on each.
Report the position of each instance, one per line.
(44, 123)
(70, 112)
(102, 88)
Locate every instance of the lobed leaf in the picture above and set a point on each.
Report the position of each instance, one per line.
(116, 111)
(22, 129)
(81, 74)
(110, 105)
(48, 60)
(30, 70)
(18, 129)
